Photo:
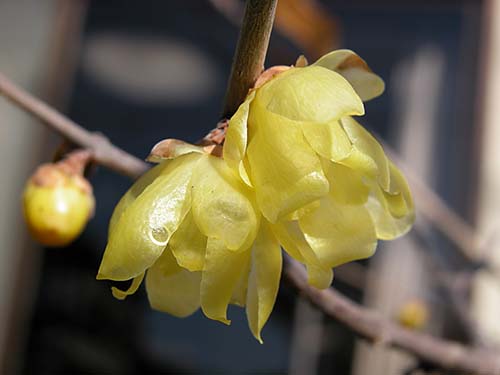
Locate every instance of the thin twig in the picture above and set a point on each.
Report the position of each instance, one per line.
(103, 151)
(368, 324)
(250, 53)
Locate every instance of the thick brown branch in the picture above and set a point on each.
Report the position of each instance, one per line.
(250, 53)
(103, 152)
(381, 331)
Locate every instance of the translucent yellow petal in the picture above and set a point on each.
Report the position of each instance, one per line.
(220, 276)
(171, 288)
(239, 297)
(346, 184)
(188, 245)
(292, 239)
(170, 149)
(301, 211)
(235, 144)
(339, 233)
(122, 294)
(367, 84)
(312, 94)
(329, 139)
(368, 148)
(222, 205)
(392, 212)
(285, 171)
(132, 193)
(264, 279)
(144, 229)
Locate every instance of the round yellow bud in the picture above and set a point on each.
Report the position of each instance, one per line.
(57, 205)
(413, 314)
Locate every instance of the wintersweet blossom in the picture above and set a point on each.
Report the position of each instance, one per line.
(193, 229)
(320, 178)
(205, 226)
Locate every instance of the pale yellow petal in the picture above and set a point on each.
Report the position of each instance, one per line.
(371, 158)
(220, 276)
(170, 149)
(339, 233)
(292, 239)
(135, 190)
(264, 279)
(346, 184)
(235, 144)
(367, 84)
(313, 94)
(171, 288)
(122, 294)
(188, 244)
(239, 297)
(301, 211)
(285, 171)
(144, 229)
(329, 139)
(392, 212)
(223, 205)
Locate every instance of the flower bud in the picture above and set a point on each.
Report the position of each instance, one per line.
(57, 203)
(413, 314)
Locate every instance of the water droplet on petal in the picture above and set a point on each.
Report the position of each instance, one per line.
(159, 236)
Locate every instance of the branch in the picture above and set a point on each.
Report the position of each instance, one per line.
(250, 54)
(103, 152)
(381, 331)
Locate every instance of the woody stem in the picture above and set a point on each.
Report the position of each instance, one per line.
(250, 53)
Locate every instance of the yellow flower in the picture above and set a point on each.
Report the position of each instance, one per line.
(320, 178)
(192, 227)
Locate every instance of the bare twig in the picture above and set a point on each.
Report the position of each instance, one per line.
(250, 53)
(381, 331)
(364, 322)
(104, 152)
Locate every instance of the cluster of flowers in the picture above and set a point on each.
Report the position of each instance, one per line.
(296, 171)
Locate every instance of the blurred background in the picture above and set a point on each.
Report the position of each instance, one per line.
(143, 70)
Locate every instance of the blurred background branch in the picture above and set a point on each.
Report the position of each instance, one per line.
(103, 151)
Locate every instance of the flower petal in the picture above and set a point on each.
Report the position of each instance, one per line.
(235, 144)
(144, 229)
(312, 94)
(367, 84)
(346, 184)
(292, 239)
(339, 233)
(170, 149)
(239, 297)
(264, 279)
(188, 244)
(284, 169)
(171, 288)
(222, 204)
(137, 188)
(392, 212)
(221, 273)
(329, 139)
(370, 157)
(122, 294)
